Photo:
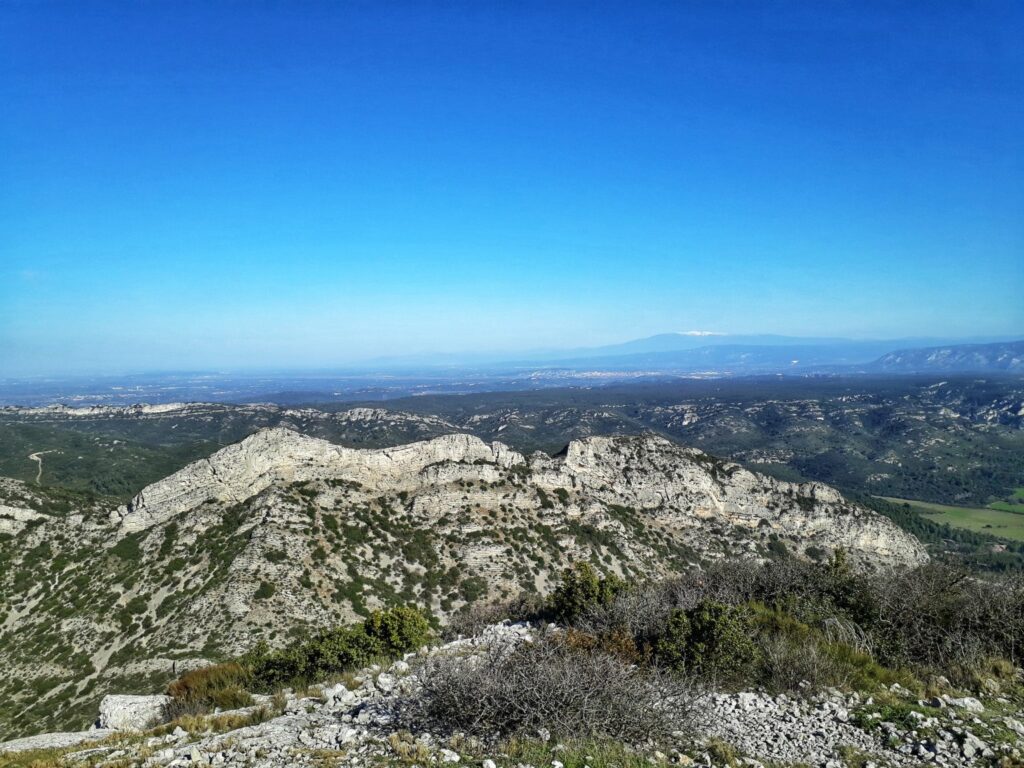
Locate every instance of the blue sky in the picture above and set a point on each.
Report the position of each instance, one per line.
(308, 184)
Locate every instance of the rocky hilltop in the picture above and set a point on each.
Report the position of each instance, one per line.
(282, 532)
(682, 490)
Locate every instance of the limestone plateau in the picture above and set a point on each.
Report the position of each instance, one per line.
(282, 532)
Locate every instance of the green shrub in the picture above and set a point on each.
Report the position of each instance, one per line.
(580, 590)
(670, 648)
(778, 548)
(711, 640)
(170, 537)
(384, 634)
(473, 588)
(816, 553)
(398, 630)
(127, 549)
(265, 591)
(137, 605)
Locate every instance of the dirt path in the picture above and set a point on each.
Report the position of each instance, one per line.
(38, 458)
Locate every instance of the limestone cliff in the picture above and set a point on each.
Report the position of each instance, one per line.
(675, 487)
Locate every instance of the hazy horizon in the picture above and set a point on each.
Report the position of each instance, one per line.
(220, 186)
(426, 363)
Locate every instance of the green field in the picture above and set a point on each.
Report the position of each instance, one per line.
(999, 519)
(1013, 503)
(1005, 506)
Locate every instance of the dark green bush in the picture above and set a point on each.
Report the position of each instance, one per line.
(127, 549)
(472, 588)
(670, 648)
(581, 590)
(137, 605)
(712, 640)
(384, 634)
(398, 630)
(265, 591)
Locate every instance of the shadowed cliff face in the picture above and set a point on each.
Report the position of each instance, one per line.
(282, 532)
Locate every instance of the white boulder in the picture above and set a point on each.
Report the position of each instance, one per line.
(132, 713)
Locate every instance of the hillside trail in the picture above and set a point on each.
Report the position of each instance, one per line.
(38, 458)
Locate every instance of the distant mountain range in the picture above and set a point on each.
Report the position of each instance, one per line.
(692, 340)
(758, 354)
(959, 358)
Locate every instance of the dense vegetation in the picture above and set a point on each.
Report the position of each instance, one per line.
(783, 623)
(383, 635)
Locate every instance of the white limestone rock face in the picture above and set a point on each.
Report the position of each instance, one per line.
(13, 520)
(240, 471)
(53, 740)
(673, 487)
(132, 713)
(687, 487)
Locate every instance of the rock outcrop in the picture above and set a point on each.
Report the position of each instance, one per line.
(675, 486)
(132, 712)
(13, 520)
(280, 455)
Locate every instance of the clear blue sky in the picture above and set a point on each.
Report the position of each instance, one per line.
(228, 184)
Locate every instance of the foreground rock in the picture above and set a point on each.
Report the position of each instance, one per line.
(132, 713)
(54, 741)
(360, 727)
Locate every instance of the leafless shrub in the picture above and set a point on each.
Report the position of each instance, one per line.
(548, 684)
(787, 665)
(943, 616)
(840, 630)
(642, 611)
(473, 618)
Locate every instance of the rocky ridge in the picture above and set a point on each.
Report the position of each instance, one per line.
(673, 484)
(997, 357)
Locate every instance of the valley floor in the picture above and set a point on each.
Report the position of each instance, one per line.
(998, 519)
